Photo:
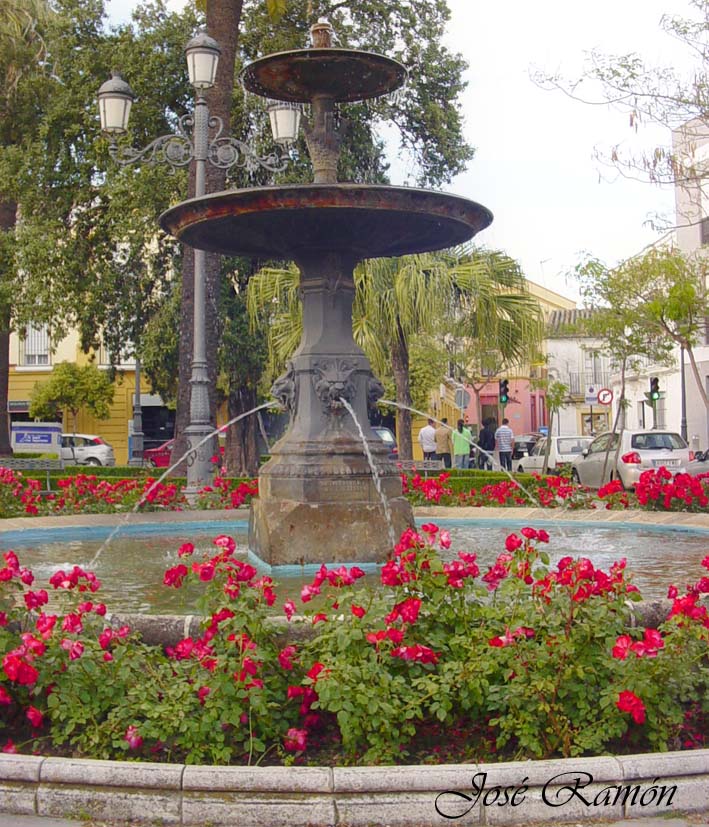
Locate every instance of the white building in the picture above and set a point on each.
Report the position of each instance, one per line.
(691, 149)
(577, 362)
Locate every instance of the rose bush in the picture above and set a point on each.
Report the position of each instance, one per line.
(87, 494)
(657, 490)
(524, 659)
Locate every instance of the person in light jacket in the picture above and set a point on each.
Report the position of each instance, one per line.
(462, 439)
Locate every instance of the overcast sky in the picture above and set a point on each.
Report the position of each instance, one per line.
(535, 166)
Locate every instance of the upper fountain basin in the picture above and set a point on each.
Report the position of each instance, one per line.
(367, 221)
(345, 75)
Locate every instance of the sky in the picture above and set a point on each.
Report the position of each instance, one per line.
(534, 166)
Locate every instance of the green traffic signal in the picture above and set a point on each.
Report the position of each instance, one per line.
(654, 388)
(504, 391)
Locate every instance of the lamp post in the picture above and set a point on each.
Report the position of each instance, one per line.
(683, 394)
(137, 437)
(192, 143)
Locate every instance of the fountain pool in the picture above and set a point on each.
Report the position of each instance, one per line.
(131, 568)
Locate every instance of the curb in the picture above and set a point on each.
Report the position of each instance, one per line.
(559, 790)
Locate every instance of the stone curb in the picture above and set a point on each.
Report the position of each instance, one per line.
(559, 790)
(169, 630)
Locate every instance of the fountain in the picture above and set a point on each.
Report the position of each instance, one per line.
(318, 501)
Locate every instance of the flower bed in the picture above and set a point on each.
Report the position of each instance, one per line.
(89, 494)
(657, 490)
(442, 662)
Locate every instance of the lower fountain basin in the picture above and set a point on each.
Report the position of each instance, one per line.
(364, 221)
(132, 566)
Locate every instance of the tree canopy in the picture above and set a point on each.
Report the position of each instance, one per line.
(649, 305)
(88, 254)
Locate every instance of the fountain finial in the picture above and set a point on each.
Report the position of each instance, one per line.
(322, 34)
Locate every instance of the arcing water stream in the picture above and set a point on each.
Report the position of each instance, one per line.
(375, 474)
(167, 472)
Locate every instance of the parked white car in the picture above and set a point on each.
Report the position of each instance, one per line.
(86, 449)
(700, 463)
(563, 450)
(639, 451)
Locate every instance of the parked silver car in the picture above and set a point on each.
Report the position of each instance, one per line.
(86, 449)
(700, 463)
(562, 451)
(639, 451)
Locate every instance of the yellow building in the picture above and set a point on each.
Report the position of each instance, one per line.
(32, 359)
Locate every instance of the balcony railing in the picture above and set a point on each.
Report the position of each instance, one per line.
(580, 382)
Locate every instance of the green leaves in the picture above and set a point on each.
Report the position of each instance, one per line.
(70, 389)
(276, 8)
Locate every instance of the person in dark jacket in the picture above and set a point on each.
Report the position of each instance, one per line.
(486, 441)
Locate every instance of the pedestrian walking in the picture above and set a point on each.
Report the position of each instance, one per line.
(444, 443)
(462, 439)
(427, 440)
(505, 439)
(486, 441)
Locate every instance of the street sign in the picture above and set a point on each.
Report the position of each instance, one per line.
(605, 396)
(40, 437)
(591, 396)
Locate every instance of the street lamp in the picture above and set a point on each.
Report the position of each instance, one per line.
(192, 143)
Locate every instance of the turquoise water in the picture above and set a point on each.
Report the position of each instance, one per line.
(131, 567)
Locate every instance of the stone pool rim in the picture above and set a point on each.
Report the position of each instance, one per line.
(20, 528)
(397, 796)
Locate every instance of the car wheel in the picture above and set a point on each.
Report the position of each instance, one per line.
(93, 461)
(575, 477)
(520, 469)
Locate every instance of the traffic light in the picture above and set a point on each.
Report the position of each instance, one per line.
(504, 391)
(654, 389)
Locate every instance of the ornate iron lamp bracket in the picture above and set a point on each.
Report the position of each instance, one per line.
(178, 150)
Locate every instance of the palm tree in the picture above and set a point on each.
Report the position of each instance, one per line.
(396, 299)
(21, 53)
(478, 293)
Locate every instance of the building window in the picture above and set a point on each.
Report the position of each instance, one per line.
(125, 360)
(704, 231)
(641, 415)
(34, 346)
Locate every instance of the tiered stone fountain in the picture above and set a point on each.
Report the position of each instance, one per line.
(317, 498)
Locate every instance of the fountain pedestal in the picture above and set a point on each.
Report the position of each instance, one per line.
(319, 500)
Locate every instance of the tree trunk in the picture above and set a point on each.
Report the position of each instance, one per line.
(547, 446)
(241, 454)
(8, 214)
(223, 19)
(400, 369)
(619, 420)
